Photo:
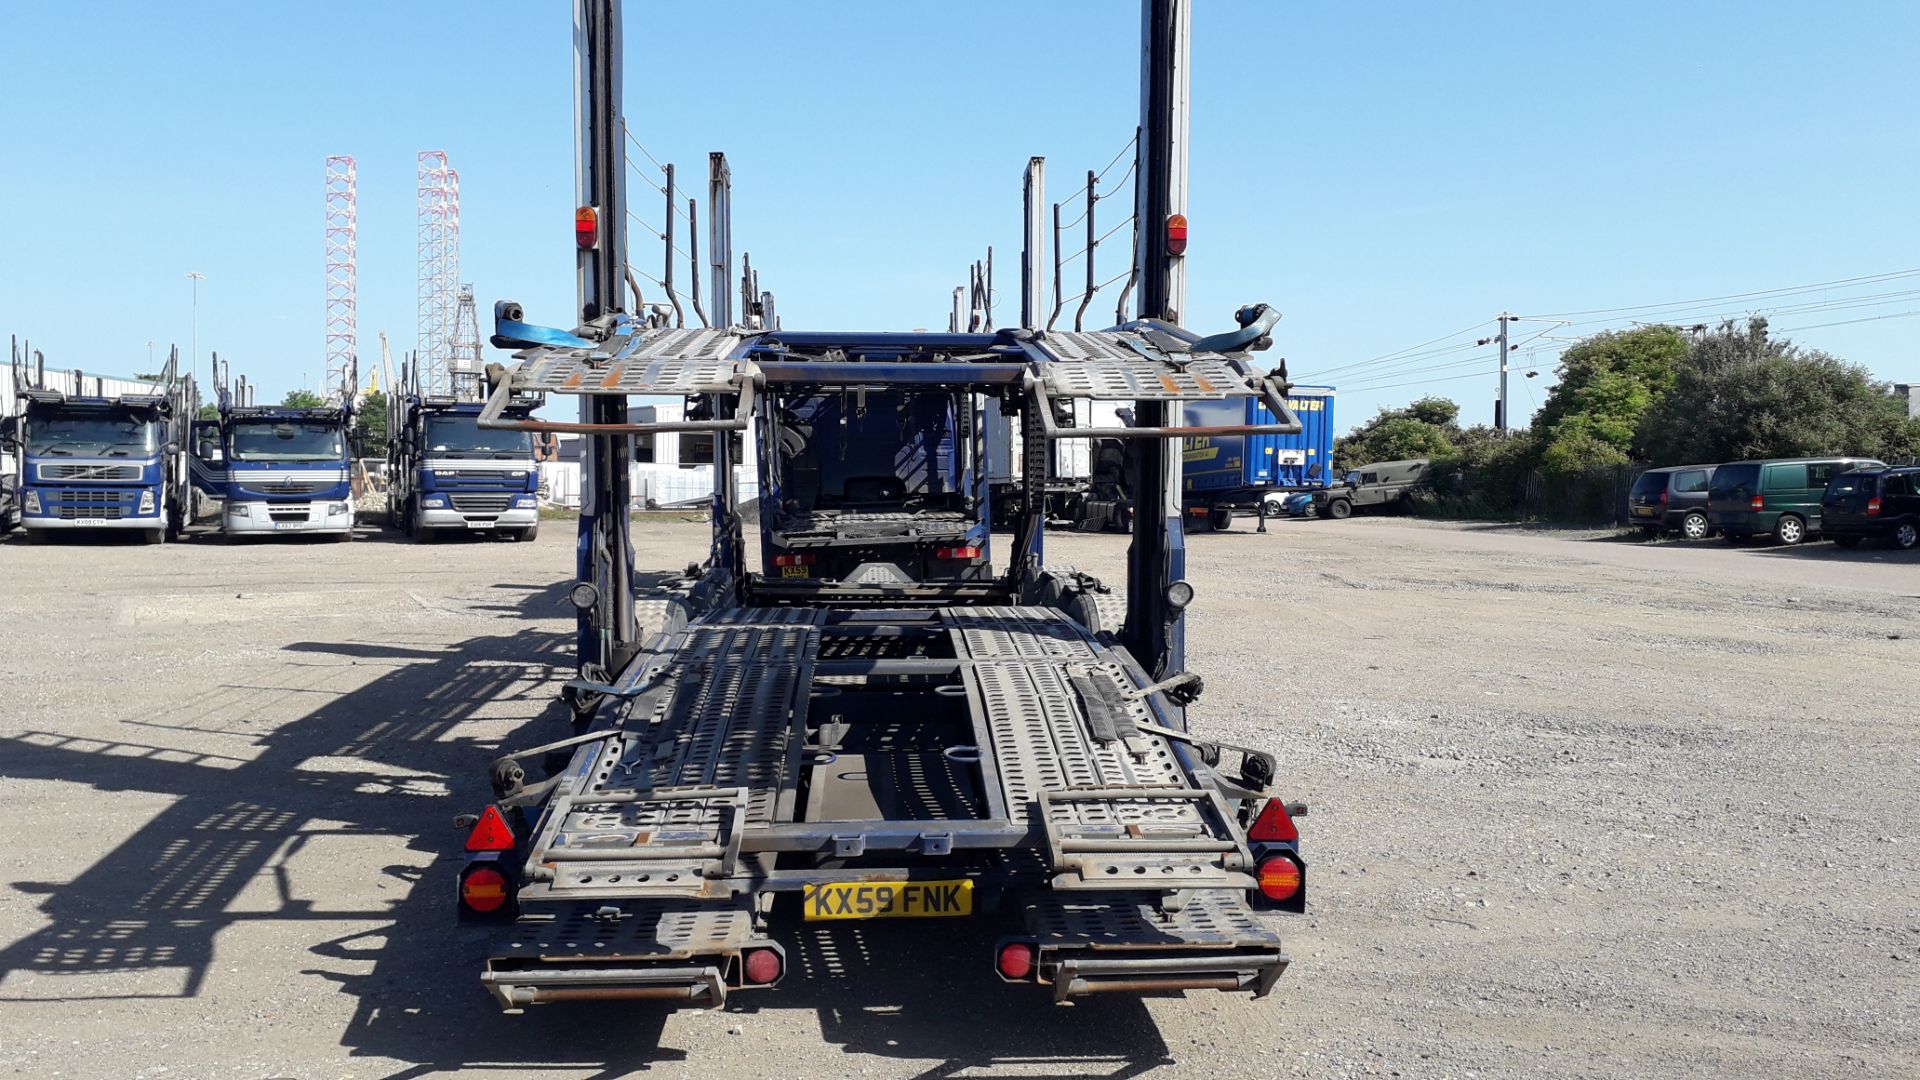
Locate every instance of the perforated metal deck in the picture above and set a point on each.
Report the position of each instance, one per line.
(666, 362)
(1122, 366)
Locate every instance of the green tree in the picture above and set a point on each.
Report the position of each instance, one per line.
(1426, 428)
(370, 425)
(1607, 383)
(1743, 394)
(302, 399)
(209, 411)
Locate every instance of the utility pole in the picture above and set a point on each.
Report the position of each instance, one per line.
(605, 557)
(1155, 631)
(1500, 413)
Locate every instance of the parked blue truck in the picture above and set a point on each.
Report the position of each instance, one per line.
(1224, 473)
(446, 473)
(100, 461)
(279, 468)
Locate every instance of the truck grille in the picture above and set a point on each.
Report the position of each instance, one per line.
(91, 505)
(481, 503)
(287, 514)
(293, 487)
(69, 471)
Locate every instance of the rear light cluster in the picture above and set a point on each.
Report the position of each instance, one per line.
(483, 888)
(794, 560)
(486, 885)
(971, 551)
(762, 966)
(1015, 961)
(1278, 872)
(1873, 506)
(1663, 498)
(1758, 503)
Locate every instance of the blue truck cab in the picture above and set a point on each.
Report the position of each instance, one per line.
(90, 462)
(1223, 472)
(446, 473)
(280, 470)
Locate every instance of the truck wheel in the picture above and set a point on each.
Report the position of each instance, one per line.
(1340, 509)
(1789, 530)
(35, 536)
(154, 536)
(1219, 518)
(528, 533)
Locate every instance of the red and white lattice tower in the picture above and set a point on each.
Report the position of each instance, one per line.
(438, 227)
(342, 280)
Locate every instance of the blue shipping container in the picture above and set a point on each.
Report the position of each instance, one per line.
(1225, 467)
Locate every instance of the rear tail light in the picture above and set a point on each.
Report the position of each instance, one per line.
(483, 889)
(1663, 498)
(1014, 961)
(1279, 878)
(1873, 506)
(586, 227)
(1274, 825)
(793, 560)
(490, 832)
(1757, 503)
(971, 551)
(762, 966)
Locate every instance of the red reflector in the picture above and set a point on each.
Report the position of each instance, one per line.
(762, 966)
(1177, 234)
(1873, 506)
(1274, 824)
(971, 551)
(1758, 503)
(793, 560)
(1016, 960)
(1279, 878)
(586, 227)
(490, 833)
(483, 889)
(1663, 498)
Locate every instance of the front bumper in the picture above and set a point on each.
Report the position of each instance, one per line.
(511, 518)
(322, 516)
(41, 521)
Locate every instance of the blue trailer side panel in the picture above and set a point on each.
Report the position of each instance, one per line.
(1218, 465)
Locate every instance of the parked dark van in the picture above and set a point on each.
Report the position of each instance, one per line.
(1672, 500)
(1778, 496)
(1876, 504)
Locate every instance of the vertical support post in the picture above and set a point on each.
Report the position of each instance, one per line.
(720, 238)
(605, 553)
(1155, 632)
(1033, 248)
(1057, 302)
(1093, 242)
(666, 282)
(693, 258)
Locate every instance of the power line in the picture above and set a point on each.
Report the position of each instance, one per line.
(1890, 275)
(1849, 322)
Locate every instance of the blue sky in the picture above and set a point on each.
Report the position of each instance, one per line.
(1385, 174)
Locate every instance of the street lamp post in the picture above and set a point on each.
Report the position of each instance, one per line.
(193, 362)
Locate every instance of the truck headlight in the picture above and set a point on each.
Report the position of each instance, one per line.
(31, 503)
(237, 510)
(526, 502)
(434, 502)
(146, 501)
(336, 508)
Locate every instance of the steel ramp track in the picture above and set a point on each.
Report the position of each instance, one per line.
(676, 952)
(1115, 805)
(1091, 944)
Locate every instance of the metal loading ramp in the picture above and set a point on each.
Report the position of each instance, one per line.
(1091, 944)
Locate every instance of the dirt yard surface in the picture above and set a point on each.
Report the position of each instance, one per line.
(1580, 808)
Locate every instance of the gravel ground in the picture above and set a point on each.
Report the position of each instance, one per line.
(1579, 808)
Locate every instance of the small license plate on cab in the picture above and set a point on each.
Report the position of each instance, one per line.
(283, 526)
(89, 522)
(479, 524)
(888, 900)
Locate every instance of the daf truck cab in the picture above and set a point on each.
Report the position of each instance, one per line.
(446, 473)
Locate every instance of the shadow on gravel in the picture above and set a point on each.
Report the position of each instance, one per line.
(144, 920)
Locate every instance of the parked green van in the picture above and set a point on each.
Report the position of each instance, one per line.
(1778, 496)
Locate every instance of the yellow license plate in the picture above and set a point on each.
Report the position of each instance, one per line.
(888, 899)
(794, 571)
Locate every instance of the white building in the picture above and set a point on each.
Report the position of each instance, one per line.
(671, 469)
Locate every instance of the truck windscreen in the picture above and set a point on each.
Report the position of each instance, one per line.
(94, 435)
(462, 435)
(285, 441)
